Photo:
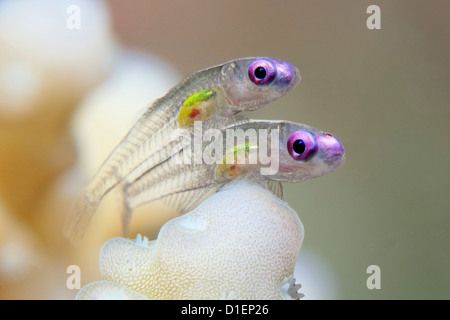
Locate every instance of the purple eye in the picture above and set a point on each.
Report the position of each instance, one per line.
(301, 145)
(262, 71)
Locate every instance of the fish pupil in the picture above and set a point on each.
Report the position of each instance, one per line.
(260, 73)
(299, 146)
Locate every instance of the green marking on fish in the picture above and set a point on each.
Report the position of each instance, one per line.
(230, 166)
(196, 107)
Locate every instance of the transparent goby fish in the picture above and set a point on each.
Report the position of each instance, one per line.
(264, 151)
(212, 96)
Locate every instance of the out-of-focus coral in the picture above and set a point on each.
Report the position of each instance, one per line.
(44, 57)
(48, 70)
(20, 255)
(241, 243)
(99, 121)
(45, 69)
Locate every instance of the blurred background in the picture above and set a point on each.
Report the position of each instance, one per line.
(75, 75)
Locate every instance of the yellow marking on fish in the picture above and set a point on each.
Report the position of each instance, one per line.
(233, 162)
(197, 107)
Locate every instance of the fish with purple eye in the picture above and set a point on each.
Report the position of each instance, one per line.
(213, 95)
(144, 173)
(302, 153)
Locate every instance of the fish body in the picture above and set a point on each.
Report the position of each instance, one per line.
(212, 96)
(297, 153)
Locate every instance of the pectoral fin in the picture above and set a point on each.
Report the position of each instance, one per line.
(276, 188)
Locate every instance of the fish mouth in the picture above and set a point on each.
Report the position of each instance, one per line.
(288, 75)
(333, 150)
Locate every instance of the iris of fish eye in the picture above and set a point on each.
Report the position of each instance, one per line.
(302, 145)
(260, 72)
(299, 146)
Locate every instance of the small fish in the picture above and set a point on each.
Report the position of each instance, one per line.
(213, 96)
(299, 153)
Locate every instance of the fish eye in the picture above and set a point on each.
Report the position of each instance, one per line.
(262, 71)
(302, 145)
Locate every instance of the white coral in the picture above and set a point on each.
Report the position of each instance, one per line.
(240, 243)
(105, 290)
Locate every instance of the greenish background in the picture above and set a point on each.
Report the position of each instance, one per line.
(383, 93)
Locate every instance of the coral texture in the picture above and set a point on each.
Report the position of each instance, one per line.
(241, 243)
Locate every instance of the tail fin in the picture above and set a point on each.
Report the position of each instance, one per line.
(79, 217)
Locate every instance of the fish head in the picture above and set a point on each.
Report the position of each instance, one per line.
(251, 83)
(305, 152)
